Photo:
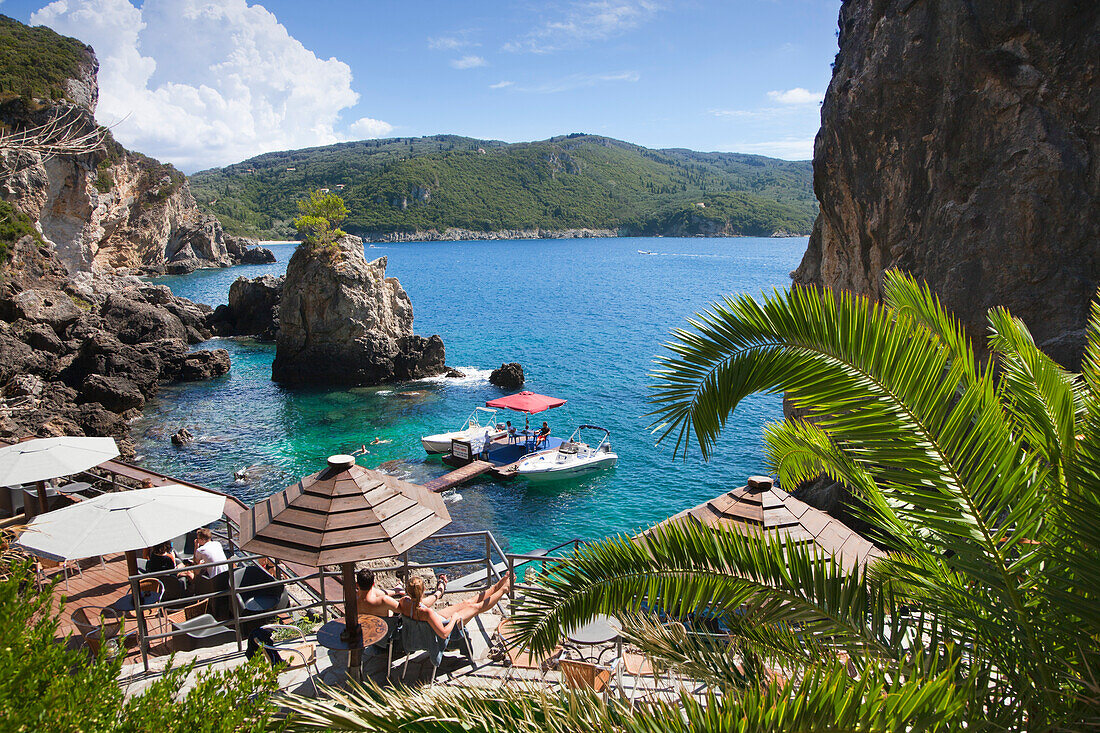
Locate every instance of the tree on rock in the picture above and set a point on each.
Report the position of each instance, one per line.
(320, 218)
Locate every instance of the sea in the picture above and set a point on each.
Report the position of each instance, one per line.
(585, 317)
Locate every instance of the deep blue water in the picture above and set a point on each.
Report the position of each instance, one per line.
(585, 318)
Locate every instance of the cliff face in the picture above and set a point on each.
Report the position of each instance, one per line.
(342, 321)
(110, 208)
(960, 142)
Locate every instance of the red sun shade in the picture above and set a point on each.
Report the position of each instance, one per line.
(527, 402)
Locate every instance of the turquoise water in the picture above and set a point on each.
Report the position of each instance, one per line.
(584, 317)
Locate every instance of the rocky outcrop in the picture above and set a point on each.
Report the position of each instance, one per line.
(342, 321)
(961, 142)
(253, 308)
(81, 356)
(509, 376)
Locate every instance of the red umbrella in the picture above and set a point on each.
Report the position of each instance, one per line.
(527, 402)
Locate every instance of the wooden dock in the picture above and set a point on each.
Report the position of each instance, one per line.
(459, 476)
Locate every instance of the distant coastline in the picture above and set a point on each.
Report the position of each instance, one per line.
(463, 235)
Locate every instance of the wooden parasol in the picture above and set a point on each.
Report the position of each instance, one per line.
(339, 516)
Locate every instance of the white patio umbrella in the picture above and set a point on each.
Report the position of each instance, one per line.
(41, 459)
(122, 521)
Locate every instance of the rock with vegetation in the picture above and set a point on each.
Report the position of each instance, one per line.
(960, 143)
(342, 321)
(107, 209)
(448, 187)
(509, 376)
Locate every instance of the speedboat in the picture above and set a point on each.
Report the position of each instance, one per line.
(474, 428)
(570, 459)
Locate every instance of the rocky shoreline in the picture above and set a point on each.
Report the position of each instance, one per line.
(462, 235)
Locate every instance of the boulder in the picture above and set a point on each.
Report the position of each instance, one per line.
(40, 336)
(50, 307)
(117, 394)
(253, 308)
(509, 376)
(342, 321)
(257, 256)
(199, 365)
(959, 142)
(182, 437)
(134, 320)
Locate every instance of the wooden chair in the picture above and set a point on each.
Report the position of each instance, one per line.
(67, 567)
(297, 653)
(522, 659)
(98, 625)
(581, 675)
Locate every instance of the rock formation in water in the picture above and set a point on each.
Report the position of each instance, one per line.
(961, 142)
(253, 308)
(342, 321)
(509, 376)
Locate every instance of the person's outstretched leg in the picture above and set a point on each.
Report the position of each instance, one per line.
(485, 600)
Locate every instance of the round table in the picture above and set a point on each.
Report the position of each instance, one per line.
(75, 487)
(374, 628)
(600, 630)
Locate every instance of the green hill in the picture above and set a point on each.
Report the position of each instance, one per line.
(36, 62)
(416, 184)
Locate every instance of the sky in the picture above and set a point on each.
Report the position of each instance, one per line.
(203, 83)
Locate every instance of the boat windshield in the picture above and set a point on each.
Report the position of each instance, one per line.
(481, 417)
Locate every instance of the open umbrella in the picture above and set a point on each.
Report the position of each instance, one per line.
(339, 516)
(42, 459)
(525, 402)
(122, 521)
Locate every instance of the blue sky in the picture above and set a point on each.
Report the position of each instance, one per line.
(210, 82)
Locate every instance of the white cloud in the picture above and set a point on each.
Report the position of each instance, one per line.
(501, 84)
(798, 95)
(585, 22)
(469, 62)
(450, 43)
(366, 127)
(788, 149)
(579, 81)
(205, 82)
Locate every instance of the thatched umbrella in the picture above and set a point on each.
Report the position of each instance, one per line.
(763, 510)
(339, 516)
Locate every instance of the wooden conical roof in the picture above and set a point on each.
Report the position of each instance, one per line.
(342, 514)
(760, 508)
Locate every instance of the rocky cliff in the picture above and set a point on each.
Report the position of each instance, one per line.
(342, 321)
(960, 141)
(110, 208)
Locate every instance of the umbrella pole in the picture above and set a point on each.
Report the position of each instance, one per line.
(131, 562)
(43, 500)
(351, 619)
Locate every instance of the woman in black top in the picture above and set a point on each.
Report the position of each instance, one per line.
(163, 557)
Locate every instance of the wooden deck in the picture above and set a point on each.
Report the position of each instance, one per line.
(459, 476)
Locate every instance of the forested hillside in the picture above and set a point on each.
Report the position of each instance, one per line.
(417, 184)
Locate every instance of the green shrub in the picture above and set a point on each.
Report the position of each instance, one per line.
(104, 181)
(14, 225)
(46, 686)
(36, 62)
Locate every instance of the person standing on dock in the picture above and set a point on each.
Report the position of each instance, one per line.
(485, 443)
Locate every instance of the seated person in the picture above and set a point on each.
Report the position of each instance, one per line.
(511, 431)
(544, 433)
(444, 622)
(208, 550)
(163, 557)
(375, 601)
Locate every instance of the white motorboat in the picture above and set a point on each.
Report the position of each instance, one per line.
(473, 429)
(570, 459)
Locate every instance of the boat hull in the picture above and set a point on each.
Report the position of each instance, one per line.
(540, 471)
(441, 443)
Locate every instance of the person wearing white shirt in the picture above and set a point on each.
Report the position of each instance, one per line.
(208, 550)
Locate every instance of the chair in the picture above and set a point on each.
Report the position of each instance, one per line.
(67, 567)
(98, 625)
(200, 631)
(419, 636)
(301, 653)
(590, 675)
(518, 659)
(152, 591)
(262, 600)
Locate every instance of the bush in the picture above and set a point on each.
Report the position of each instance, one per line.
(14, 225)
(46, 686)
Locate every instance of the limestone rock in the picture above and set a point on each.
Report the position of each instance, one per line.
(200, 365)
(114, 393)
(253, 308)
(50, 307)
(960, 142)
(182, 437)
(342, 321)
(509, 376)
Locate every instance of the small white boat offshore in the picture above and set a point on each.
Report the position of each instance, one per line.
(473, 429)
(570, 459)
